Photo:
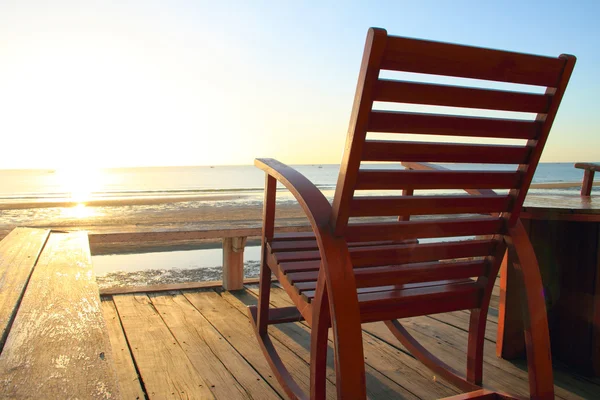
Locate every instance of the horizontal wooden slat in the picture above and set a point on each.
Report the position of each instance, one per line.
(437, 124)
(457, 96)
(401, 253)
(411, 273)
(397, 304)
(407, 254)
(299, 245)
(311, 244)
(309, 291)
(398, 274)
(379, 206)
(416, 229)
(301, 266)
(420, 180)
(398, 151)
(293, 236)
(403, 303)
(412, 55)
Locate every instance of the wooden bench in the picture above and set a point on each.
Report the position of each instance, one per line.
(54, 338)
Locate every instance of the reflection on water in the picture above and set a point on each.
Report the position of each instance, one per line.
(168, 267)
(79, 211)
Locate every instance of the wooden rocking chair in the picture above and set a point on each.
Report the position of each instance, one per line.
(354, 268)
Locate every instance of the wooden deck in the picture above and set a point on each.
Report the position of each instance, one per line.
(184, 342)
(60, 341)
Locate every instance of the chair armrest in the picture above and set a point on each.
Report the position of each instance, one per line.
(433, 167)
(337, 274)
(312, 201)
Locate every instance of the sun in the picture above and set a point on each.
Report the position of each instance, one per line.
(79, 182)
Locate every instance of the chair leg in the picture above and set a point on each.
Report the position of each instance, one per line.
(281, 373)
(318, 349)
(477, 324)
(429, 360)
(535, 318)
(264, 297)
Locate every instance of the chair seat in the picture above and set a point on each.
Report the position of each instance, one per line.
(296, 257)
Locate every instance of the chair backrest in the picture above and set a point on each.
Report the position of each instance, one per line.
(488, 152)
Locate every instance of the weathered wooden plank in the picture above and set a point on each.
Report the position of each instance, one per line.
(58, 346)
(233, 262)
(163, 365)
(19, 251)
(164, 287)
(226, 319)
(129, 381)
(450, 346)
(382, 361)
(563, 376)
(227, 373)
(169, 236)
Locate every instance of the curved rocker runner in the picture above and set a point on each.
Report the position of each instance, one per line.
(357, 266)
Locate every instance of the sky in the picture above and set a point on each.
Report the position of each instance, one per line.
(158, 83)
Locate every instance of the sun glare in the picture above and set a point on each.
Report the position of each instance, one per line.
(79, 182)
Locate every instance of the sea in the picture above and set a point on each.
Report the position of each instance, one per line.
(44, 194)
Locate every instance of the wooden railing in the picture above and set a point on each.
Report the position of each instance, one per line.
(233, 240)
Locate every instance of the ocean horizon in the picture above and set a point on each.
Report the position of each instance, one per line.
(31, 186)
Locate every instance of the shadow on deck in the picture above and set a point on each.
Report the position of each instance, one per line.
(59, 339)
(184, 342)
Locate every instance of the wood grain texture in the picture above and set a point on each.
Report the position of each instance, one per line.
(166, 287)
(233, 262)
(438, 58)
(128, 379)
(437, 228)
(163, 365)
(459, 96)
(380, 206)
(390, 373)
(226, 319)
(58, 345)
(452, 125)
(223, 368)
(447, 179)
(19, 252)
(398, 151)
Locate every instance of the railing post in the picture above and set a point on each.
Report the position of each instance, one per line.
(233, 262)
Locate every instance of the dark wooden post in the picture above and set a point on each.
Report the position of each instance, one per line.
(588, 177)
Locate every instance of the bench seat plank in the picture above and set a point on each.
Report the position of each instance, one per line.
(58, 346)
(19, 251)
